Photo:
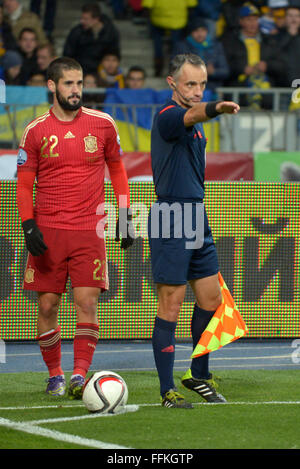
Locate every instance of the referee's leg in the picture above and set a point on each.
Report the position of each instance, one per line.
(170, 298)
(208, 297)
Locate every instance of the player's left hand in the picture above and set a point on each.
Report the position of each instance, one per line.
(227, 107)
(125, 228)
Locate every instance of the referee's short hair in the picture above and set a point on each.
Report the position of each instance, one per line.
(180, 59)
(58, 66)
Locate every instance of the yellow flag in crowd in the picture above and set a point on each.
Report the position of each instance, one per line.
(225, 326)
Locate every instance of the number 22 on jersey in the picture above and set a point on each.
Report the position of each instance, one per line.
(53, 140)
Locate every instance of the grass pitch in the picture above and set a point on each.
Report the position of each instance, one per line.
(263, 411)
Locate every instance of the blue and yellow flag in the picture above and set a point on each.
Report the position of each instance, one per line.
(133, 112)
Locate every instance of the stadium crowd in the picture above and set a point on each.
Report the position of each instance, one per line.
(252, 44)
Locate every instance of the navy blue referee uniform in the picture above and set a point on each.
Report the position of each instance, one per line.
(178, 165)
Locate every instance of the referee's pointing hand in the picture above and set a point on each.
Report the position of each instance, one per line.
(227, 107)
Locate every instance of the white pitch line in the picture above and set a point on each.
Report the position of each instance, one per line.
(261, 403)
(128, 408)
(233, 403)
(97, 352)
(260, 366)
(179, 348)
(59, 406)
(58, 436)
(268, 357)
(154, 404)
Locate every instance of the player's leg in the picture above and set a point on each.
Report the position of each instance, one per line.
(47, 274)
(208, 297)
(86, 336)
(170, 298)
(49, 339)
(48, 304)
(87, 266)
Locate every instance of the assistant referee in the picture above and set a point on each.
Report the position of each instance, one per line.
(178, 163)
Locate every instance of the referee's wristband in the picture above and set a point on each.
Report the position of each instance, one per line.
(211, 110)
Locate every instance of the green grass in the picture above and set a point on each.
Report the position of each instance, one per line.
(244, 425)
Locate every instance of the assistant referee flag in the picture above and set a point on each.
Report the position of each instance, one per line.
(225, 326)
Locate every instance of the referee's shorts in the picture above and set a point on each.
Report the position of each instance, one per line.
(176, 257)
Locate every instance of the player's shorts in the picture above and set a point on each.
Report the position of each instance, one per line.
(80, 255)
(175, 264)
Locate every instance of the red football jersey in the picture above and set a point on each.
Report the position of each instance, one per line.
(69, 161)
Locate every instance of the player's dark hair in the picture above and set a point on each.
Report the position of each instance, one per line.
(92, 8)
(180, 59)
(58, 66)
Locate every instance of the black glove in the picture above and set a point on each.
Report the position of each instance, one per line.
(33, 238)
(125, 228)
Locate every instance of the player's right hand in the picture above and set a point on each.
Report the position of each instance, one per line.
(33, 238)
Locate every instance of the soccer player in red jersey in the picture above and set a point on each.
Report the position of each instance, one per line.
(66, 150)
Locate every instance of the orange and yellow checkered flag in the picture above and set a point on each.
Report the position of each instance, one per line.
(225, 326)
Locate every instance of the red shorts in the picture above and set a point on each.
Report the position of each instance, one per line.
(78, 254)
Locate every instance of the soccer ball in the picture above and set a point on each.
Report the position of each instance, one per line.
(105, 392)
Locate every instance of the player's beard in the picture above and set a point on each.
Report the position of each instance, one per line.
(66, 105)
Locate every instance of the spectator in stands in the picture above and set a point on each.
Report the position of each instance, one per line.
(45, 55)
(253, 57)
(27, 48)
(119, 9)
(11, 64)
(290, 44)
(166, 16)
(109, 72)
(230, 16)
(19, 18)
(135, 78)
(137, 11)
(88, 41)
(210, 11)
(91, 99)
(38, 79)
(267, 24)
(90, 80)
(278, 11)
(199, 42)
(49, 15)
(7, 39)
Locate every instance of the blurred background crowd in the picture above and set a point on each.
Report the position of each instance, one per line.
(243, 43)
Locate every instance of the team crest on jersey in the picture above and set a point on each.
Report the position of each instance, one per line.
(29, 275)
(90, 144)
